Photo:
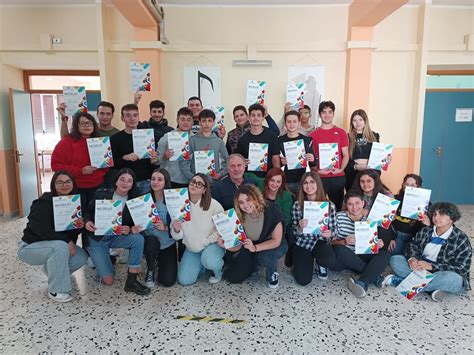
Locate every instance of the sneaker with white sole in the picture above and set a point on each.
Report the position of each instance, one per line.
(214, 279)
(322, 273)
(60, 297)
(150, 278)
(392, 280)
(438, 295)
(356, 288)
(273, 283)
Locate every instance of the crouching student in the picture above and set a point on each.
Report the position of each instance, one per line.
(160, 249)
(263, 225)
(442, 249)
(199, 235)
(125, 188)
(368, 266)
(56, 251)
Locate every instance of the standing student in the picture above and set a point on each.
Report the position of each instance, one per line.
(199, 235)
(157, 122)
(442, 249)
(293, 176)
(263, 226)
(242, 126)
(195, 105)
(56, 251)
(260, 134)
(333, 178)
(305, 127)
(361, 138)
(368, 266)
(122, 149)
(160, 248)
(310, 247)
(125, 188)
(179, 170)
(205, 140)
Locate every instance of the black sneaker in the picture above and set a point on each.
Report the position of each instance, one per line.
(273, 283)
(150, 278)
(322, 273)
(133, 285)
(379, 281)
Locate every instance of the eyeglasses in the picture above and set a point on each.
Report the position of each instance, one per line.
(86, 124)
(63, 183)
(196, 183)
(310, 182)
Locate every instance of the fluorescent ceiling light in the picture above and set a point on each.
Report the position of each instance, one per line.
(251, 63)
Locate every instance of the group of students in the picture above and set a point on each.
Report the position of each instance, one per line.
(268, 203)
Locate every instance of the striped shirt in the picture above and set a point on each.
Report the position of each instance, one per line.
(345, 226)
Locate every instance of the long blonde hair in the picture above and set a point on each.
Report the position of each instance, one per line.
(366, 133)
(254, 194)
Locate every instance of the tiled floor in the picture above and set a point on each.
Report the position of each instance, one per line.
(322, 317)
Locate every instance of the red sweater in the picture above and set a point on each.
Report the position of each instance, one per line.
(72, 155)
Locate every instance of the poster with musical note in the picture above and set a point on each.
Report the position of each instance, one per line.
(203, 82)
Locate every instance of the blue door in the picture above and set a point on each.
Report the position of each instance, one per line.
(447, 148)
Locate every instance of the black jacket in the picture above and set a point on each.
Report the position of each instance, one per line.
(159, 128)
(40, 226)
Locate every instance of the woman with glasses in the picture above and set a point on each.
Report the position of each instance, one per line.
(199, 235)
(55, 251)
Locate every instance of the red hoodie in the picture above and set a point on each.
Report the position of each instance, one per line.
(72, 155)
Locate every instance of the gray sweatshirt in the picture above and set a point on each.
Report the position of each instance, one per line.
(214, 143)
(180, 171)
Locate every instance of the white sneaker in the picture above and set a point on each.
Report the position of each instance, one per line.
(60, 297)
(90, 263)
(114, 252)
(123, 259)
(438, 295)
(214, 279)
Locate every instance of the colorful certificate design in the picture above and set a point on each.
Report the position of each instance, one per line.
(414, 283)
(140, 77)
(295, 95)
(295, 154)
(141, 208)
(328, 155)
(317, 214)
(178, 204)
(179, 143)
(229, 227)
(219, 111)
(258, 157)
(415, 202)
(100, 152)
(75, 99)
(108, 217)
(255, 92)
(366, 237)
(67, 212)
(204, 162)
(383, 210)
(143, 142)
(380, 155)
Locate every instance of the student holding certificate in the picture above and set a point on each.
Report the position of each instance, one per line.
(309, 246)
(368, 266)
(442, 249)
(160, 248)
(199, 235)
(157, 120)
(56, 251)
(263, 225)
(127, 235)
(242, 126)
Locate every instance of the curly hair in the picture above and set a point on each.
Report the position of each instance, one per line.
(445, 208)
(254, 194)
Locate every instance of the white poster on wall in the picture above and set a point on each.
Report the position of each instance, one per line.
(313, 77)
(203, 82)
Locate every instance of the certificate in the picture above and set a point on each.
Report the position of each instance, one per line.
(415, 202)
(255, 92)
(143, 142)
(295, 154)
(108, 217)
(100, 152)
(295, 95)
(229, 227)
(67, 212)
(204, 162)
(328, 155)
(383, 210)
(317, 214)
(258, 156)
(140, 77)
(178, 204)
(143, 211)
(414, 283)
(75, 99)
(380, 155)
(219, 112)
(366, 237)
(179, 143)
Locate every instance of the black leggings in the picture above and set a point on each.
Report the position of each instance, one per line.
(334, 187)
(166, 260)
(87, 195)
(303, 260)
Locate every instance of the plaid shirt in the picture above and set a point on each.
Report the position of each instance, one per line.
(308, 241)
(455, 255)
(233, 137)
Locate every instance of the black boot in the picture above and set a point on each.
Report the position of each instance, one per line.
(132, 285)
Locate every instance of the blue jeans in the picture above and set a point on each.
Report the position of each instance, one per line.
(448, 281)
(57, 261)
(192, 263)
(143, 186)
(269, 259)
(402, 243)
(99, 252)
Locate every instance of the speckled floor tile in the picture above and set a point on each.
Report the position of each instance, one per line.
(322, 317)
